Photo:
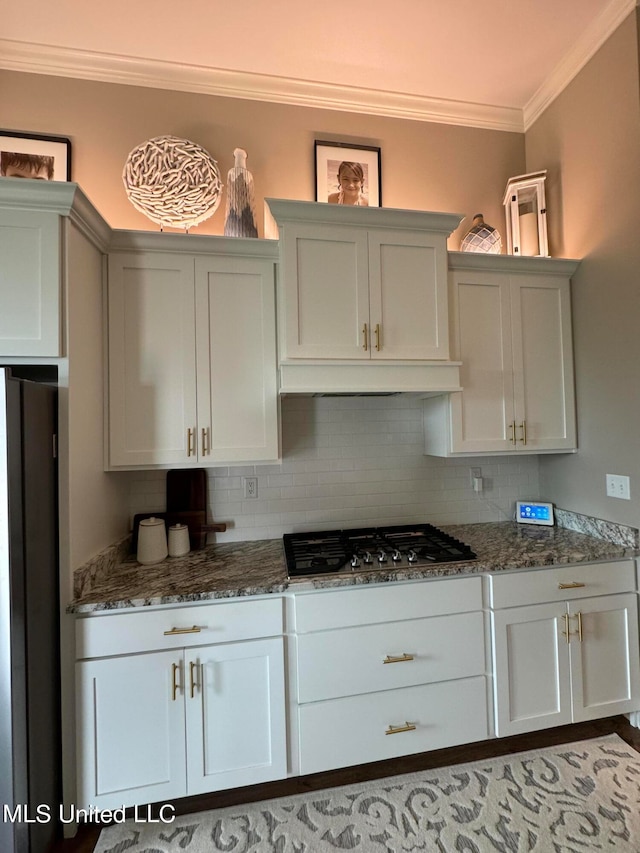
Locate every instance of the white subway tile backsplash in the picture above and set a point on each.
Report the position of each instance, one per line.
(349, 462)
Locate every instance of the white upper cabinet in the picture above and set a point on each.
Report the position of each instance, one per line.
(152, 359)
(362, 287)
(37, 258)
(192, 354)
(30, 272)
(511, 329)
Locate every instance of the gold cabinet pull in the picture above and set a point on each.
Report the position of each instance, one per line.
(206, 449)
(579, 615)
(395, 730)
(523, 427)
(512, 427)
(397, 658)
(194, 630)
(365, 333)
(573, 585)
(174, 681)
(192, 679)
(566, 633)
(378, 342)
(191, 442)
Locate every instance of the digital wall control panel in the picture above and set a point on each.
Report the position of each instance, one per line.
(534, 512)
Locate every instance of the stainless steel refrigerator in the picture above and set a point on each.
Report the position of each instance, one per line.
(29, 618)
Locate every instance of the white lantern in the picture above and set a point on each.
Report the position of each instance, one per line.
(526, 214)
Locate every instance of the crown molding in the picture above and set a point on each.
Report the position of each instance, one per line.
(157, 74)
(574, 61)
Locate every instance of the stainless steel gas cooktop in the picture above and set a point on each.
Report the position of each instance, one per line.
(370, 548)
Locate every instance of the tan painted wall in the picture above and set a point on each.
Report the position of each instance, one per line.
(425, 166)
(589, 139)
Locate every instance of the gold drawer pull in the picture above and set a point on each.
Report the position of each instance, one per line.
(173, 631)
(397, 659)
(365, 345)
(395, 730)
(378, 344)
(574, 585)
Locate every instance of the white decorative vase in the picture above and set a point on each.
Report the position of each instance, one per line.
(481, 238)
(240, 220)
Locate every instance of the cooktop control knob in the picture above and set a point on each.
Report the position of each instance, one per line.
(396, 556)
(355, 562)
(412, 556)
(382, 557)
(367, 559)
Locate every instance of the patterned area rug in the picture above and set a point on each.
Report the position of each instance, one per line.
(572, 798)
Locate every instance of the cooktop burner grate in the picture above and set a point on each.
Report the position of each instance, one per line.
(368, 548)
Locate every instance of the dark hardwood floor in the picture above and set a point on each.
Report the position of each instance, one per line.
(87, 836)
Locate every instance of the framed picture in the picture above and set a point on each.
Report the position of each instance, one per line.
(31, 155)
(348, 174)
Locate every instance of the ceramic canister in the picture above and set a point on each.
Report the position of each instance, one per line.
(179, 540)
(152, 541)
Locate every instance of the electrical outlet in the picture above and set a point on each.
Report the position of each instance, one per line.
(476, 479)
(618, 486)
(250, 486)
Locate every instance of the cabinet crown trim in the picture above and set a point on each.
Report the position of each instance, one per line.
(64, 198)
(512, 263)
(285, 210)
(192, 244)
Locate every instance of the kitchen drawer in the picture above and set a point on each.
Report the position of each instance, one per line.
(352, 660)
(557, 584)
(344, 732)
(125, 633)
(326, 609)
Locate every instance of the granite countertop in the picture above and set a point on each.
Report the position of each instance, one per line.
(235, 569)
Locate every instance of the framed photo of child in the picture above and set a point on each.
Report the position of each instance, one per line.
(31, 155)
(348, 174)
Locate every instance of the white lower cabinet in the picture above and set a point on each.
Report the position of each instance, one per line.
(375, 726)
(389, 686)
(189, 720)
(567, 660)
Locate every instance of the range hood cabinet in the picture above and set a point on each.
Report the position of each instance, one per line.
(357, 380)
(362, 299)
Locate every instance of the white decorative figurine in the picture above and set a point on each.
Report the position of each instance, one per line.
(240, 220)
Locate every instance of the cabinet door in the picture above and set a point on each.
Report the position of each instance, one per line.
(531, 669)
(130, 730)
(543, 363)
(152, 360)
(482, 414)
(236, 360)
(605, 656)
(30, 279)
(235, 715)
(408, 295)
(326, 291)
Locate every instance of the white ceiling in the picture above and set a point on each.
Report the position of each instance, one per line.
(493, 64)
